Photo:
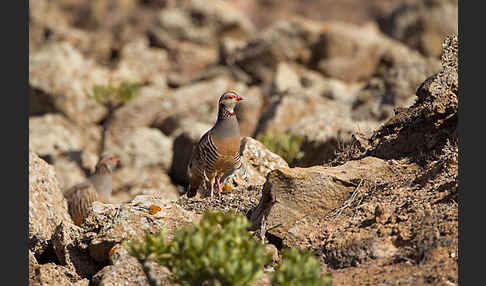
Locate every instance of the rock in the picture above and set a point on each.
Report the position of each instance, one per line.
(347, 51)
(429, 123)
(68, 172)
(73, 150)
(322, 124)
(71, 251)
(249, 110)
(127, 270)
(145, 158)
(108, 225)
(190, 62)
(45, 20)
(52, 274)
(286, 79)
(141, 63)
(284, 111)
(204, 23)
(431, 22)
(402, 219)
(61, 72)
(199, 99)
(286, 40)
(47, 206)
(52, 134)
(141, 111)
(315, 83)
(143, 147)
(329, 129)
(354, 249)
(294, 199)
(32, 265)
(192, 30)
(394, 83)
(130, 182)
(258, 161)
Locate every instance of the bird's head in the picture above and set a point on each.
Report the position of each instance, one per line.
(229, 100)
(106, 164)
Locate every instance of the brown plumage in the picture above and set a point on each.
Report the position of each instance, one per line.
(217, 153)
(98, 187)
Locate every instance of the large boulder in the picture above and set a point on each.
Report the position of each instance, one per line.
(295, 199)
(47, 206)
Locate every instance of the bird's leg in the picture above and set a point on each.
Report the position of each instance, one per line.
(218, 184)
(212, 187)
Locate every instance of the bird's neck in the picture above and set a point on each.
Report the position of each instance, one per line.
(102, 181)
(227, 124)
(225, 113)
(102, 169)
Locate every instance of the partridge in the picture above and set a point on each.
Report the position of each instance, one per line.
(98, 187)
(217, 153)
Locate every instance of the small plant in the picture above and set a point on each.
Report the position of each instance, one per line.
(299, 268)
(287, 145)
(115, 94)
(217, 250)
(113, 97)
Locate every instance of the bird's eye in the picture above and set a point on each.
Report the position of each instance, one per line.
(231, 97)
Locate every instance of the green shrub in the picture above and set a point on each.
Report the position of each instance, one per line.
(217, 250)
(115, 94)
(287, 145)
(299, 268)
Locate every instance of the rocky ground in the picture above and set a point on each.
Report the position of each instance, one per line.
(370, 87)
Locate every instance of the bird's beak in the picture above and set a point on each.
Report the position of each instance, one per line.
(115, 159)
(239, 98)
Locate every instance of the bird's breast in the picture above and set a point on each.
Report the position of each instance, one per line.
(227, 146)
